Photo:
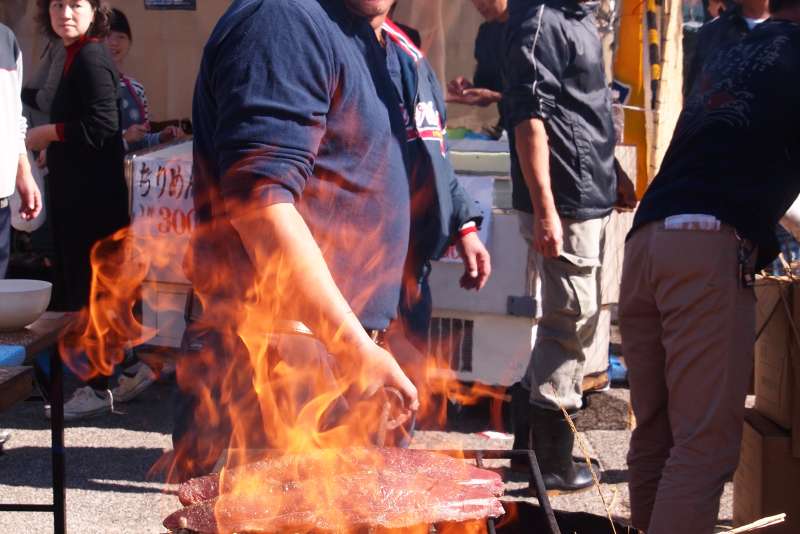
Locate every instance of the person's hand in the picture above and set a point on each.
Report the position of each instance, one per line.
(548, 235)
(626, 190)
(135, 133)
(476, 96)
(40, 137)
(380, 369)
(41, 159)
(170, 133)
(413, 362)
(457, 86)
(29, 194)
(477, 262)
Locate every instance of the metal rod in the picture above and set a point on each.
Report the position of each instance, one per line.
(489, 520)
(57, 434)
(537, 482)
(489, 454)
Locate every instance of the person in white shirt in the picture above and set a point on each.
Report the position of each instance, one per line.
(15, 169)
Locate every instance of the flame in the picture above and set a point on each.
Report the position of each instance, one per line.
(256, 389)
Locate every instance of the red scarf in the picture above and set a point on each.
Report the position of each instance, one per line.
(74, 48)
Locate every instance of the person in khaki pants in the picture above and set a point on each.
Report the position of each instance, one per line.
(558, 110)
(705, 225)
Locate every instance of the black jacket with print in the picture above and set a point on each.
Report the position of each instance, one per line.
(728, 28)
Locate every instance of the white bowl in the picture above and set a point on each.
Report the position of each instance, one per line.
(22, 302)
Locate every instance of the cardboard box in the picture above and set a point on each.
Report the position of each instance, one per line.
(776, 351)
(767, 481)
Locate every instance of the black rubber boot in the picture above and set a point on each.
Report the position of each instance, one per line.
(520, 420)
(552, 439)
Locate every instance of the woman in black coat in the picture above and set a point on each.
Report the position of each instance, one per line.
(88, 194)
(87, 190)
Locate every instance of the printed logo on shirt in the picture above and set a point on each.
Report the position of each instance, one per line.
(428, 122)
(724, 94)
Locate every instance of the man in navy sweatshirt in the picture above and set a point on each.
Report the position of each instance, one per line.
(303, 206)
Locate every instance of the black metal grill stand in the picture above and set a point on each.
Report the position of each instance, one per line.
(536, 481)
(58, 508)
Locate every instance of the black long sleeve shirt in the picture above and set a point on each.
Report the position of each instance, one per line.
(736, 149)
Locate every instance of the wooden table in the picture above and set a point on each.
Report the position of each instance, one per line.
(40, 336)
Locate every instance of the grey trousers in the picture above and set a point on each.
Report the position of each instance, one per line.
(570, 306)
(688, 329)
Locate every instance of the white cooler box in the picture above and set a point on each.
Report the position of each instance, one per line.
(486, 336)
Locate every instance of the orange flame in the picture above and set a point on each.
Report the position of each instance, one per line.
(255, 387)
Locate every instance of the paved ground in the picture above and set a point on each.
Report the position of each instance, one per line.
(108, 460)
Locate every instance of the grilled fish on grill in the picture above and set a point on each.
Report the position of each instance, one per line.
(377, 499)
(404, 462)
(327, 490)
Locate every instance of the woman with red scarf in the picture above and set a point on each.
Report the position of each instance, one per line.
(85, 154)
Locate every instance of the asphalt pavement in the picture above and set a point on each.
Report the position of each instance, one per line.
(109, 459)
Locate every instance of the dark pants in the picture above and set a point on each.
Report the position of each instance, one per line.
(415, 312)
(5, 238)
(217, 406)
(202, 425)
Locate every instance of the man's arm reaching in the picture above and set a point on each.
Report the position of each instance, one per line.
(277, 237)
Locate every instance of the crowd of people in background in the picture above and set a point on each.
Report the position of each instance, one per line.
(85, 115)
(355, 125)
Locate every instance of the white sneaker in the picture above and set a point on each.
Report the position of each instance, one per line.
(85, 402)
(129, 387)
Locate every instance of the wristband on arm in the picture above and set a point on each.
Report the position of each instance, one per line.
(468, 228)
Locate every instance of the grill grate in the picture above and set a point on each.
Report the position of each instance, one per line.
(451, 339)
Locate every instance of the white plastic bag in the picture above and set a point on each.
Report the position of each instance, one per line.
(791, 221)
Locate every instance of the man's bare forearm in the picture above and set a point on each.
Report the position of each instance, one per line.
(277, 238)
(23, 167)
(533, 151)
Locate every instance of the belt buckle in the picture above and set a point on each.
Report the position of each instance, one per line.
(4, 203)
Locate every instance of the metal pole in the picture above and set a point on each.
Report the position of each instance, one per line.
(57, 433)
(489, 521)
(537, 482)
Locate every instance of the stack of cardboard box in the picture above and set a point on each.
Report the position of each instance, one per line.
(767, 481)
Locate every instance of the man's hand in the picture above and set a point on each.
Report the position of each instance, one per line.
(170, 133)
(380, 369)
(29, 194)
(40, 137)
(548, 235)
(457, 86)
(41, 159)
(461, 91)
(476, 97)
(477, 262)
(136, 133)
(626, 189)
